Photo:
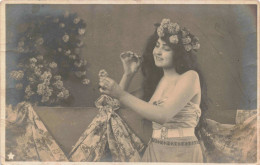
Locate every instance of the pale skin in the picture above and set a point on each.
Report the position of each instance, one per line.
(178, 88)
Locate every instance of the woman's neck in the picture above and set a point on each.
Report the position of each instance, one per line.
(169, 73)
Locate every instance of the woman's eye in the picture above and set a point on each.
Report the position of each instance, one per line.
(167, 49)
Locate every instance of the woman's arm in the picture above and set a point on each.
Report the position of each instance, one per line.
(186, 88)
(125, 81)
(131, 63)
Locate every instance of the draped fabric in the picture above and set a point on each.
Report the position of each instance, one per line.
(225, 143)
(106, 133)
(109, 129)
(29, 140)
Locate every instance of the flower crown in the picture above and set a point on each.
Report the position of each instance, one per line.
(177, 34)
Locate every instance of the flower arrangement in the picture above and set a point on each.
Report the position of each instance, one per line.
(49, 50)
(177, 34)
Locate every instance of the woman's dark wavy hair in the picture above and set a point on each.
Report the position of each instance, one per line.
(183, 62)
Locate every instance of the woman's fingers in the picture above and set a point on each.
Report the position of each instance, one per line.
(102, 91)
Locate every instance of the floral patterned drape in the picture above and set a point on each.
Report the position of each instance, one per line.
(227, 143)
(107, 129)
(29, 140)
(107, 132)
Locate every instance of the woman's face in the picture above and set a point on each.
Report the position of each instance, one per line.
(163, 54)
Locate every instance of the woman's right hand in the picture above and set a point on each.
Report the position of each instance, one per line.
(131, 62)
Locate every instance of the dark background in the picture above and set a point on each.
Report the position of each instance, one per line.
(227, 56)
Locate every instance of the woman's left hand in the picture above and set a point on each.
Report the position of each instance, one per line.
(110, 87)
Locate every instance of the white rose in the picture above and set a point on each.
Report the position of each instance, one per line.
(53, 65)
(186, 40)
(72, 57)
(62, 25)
(165, 22)
(76, 20)
(60, 95)
(67, 52)
(79, 44)
(81, 31)
(65, 38)
(33, 60)
(78, 64)
(58, 84)
(174, 39)
(196, 46)
(102, 73)
(39, 41)
(85, 81)
(160, 31)
(188, 47)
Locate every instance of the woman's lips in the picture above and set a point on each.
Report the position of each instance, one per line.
(158, 58)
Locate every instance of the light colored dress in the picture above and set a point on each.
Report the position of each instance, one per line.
(177, 149)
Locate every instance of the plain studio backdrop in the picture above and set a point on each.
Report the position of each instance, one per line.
(227, 56)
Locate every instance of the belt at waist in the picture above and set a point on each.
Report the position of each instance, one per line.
(170, 133)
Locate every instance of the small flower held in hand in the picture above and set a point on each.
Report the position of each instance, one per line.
(102, 73)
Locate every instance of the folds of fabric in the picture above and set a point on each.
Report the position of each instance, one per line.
(30, 139)
(107, 128)
(225, 143)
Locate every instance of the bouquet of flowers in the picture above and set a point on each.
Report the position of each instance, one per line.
(49, 50)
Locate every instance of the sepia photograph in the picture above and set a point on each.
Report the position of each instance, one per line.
(129, 81)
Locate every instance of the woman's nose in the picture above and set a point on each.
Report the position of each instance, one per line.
(159, 52)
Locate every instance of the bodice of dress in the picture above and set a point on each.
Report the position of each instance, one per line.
(188, 117)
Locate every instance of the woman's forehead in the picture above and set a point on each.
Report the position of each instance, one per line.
(161, 41)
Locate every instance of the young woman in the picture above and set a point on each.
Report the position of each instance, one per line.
(172, 96)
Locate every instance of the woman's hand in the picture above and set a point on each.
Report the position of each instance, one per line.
(131, 62)
(110, 87)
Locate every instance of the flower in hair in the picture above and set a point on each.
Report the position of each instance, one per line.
(160, 31)
(176, 34)
(186, 40)
(196, 46)
(165, 22)
(173, 28)
(185, 32)
(174, 39)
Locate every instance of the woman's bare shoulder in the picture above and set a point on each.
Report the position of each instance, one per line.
(190, 79)
(190, 75)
